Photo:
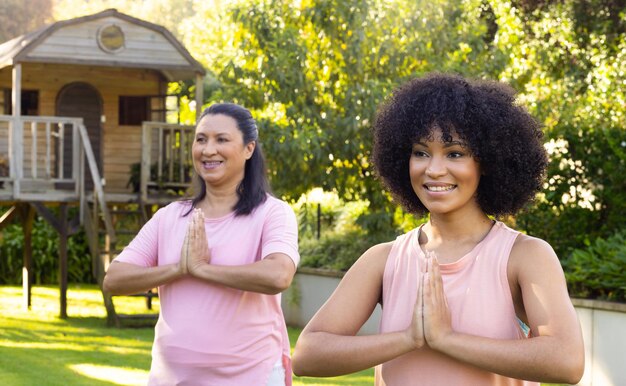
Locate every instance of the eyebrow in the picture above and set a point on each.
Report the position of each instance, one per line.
(216, 134)
(446, 144)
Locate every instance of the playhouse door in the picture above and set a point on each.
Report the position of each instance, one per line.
(83, 101)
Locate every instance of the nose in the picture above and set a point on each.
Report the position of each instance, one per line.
(208, 148)
(436, 167)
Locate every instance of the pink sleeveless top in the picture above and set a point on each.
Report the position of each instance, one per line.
(480, 302)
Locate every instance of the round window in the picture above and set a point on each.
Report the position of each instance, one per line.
(111, 38)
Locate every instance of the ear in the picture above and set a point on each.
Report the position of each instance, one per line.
(249, 149)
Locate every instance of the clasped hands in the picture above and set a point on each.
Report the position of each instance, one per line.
(195, 252)
(431, 321)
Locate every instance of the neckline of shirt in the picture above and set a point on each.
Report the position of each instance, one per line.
(463, 260)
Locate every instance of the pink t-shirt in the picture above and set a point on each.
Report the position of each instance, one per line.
(480, 301)
(210, 334)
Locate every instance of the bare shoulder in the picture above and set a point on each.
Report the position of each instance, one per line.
(526, 246)
(533, 255)
(375, 258)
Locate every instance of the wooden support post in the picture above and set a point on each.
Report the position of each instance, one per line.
(16, 158)
(28, 217)
(16, 91)
(63, 228)
(63, 236)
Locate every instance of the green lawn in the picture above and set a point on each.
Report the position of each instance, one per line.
(38, 348)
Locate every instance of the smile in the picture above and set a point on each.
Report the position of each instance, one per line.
(211, 164)
(439, 188)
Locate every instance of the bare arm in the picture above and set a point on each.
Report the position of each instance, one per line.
(271, 275)
(328, 345)
(554, 353)
(127, 279)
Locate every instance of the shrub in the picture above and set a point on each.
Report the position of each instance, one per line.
(45, 245)
(597, 272)
(336, 250)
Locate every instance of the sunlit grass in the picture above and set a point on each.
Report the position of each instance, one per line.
(105, 373)
(38, 348)
(362, 378)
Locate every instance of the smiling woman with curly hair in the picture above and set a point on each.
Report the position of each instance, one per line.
(465, 299)
(499, 134)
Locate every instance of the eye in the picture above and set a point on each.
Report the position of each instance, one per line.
(200, 139)
(419, 153)
(455, 154)
(222, 139)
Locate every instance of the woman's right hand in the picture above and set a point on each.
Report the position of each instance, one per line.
(415, 332)
(195, 252)
(182, 267)
(187, 249)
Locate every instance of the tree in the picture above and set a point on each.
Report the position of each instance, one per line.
(170, 14)
(567, 58)
(18, 17)
(314, 72)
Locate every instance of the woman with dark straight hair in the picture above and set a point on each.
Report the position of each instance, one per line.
(220, 261)
(254, 182)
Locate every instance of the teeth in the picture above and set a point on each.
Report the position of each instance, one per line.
(439, 188)
(211, 164)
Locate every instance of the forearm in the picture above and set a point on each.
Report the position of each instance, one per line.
(257, 277)
(323, 354)
(543, 358)
(128, 279)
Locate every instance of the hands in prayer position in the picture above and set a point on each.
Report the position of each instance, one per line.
(431, 317)
(195, 252)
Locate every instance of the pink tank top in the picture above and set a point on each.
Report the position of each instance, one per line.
(480, 302)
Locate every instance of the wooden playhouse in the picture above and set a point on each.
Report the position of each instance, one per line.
(88, 135)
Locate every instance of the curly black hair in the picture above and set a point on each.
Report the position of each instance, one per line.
(500, 134)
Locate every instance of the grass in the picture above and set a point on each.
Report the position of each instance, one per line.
(38, 348)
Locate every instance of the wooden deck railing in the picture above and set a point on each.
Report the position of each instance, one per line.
(46, 159)
(38, 151)
(165, 157)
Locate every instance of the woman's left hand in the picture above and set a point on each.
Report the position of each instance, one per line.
(196, 253)
(437, 320)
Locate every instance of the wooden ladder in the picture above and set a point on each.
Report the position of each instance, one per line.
(126, 219)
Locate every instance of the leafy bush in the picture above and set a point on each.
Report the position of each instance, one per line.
(597, 272)
(45, 245)
(347, 229)
(336, 250)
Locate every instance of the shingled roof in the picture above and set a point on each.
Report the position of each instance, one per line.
(75, 41)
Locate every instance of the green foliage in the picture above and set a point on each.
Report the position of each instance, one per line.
(598, 271)
(163, 183)
(568, 60)
(585, 193)
(315, 71)
(19, 17)
(45, 251)
(347, 230)
(336, 250)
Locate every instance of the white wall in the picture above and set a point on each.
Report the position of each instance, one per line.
(309, 292)
(604, 331)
